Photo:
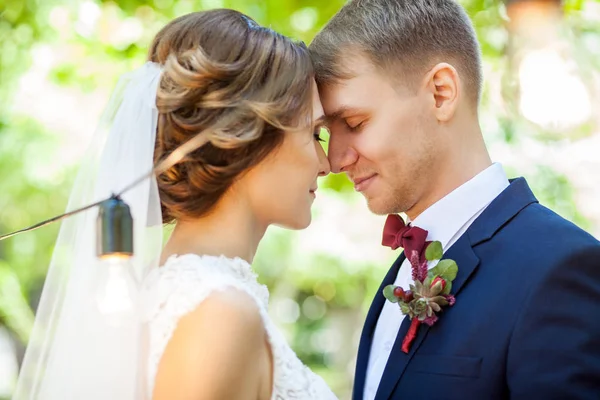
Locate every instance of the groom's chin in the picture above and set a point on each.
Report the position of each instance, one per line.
(379, 206)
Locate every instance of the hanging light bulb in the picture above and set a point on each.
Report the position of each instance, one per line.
(117, 287)
(549, 81)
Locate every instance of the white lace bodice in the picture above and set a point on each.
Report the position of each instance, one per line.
(185, 281)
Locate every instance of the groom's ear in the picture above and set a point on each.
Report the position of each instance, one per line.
(442, 82)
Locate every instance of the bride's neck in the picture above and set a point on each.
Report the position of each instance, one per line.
(231, 229)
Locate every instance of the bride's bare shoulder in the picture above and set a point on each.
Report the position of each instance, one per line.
(217, 351)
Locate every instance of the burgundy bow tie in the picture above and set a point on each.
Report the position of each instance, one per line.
(397, 234)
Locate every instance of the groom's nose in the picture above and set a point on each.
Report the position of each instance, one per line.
(340, 153)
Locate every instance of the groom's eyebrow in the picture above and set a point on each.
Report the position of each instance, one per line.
(341, 112)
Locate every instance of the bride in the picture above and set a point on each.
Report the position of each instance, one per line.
(201, 329)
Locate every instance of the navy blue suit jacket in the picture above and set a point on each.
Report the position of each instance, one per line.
(526, 323)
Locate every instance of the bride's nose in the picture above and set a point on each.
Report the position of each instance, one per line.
(324, 166)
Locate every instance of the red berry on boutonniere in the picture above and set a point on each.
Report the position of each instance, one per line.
(399, 292)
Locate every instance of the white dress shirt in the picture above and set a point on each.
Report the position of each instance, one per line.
(446, 221)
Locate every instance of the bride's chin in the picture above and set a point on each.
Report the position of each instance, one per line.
(297, 222)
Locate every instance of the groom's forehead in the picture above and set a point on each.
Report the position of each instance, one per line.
(352, 63)
(347, 97)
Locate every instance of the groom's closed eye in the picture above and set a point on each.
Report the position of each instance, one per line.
(354, 124)
(351, 119)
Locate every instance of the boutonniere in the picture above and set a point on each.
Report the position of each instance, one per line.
(429, 293)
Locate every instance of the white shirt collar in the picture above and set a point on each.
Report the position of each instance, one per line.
(450, 214)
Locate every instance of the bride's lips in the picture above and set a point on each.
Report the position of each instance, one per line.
(312, 192)
(361, 184)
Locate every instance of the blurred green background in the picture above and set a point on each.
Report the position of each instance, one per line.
(59, 61)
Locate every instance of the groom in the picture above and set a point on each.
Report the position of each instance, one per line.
(400, 82)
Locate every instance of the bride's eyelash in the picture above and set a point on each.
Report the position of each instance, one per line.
(317, 134)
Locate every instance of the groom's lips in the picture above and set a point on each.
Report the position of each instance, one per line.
(361, 184)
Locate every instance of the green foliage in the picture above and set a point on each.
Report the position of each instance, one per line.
(447, 269)
(434, 251)
(388, 292)
(19, 316)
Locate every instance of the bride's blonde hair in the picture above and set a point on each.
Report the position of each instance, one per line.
(240, 84)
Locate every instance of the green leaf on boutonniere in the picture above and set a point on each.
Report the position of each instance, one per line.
(434, 251)
(448, 288)
(447, 269)
(388, 292)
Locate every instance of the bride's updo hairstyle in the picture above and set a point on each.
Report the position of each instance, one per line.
(241, 85)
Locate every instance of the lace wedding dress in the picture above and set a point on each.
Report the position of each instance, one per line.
(185, 281)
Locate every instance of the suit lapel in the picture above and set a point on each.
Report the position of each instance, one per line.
(501, 211)
(364, 348)
(465, 258)
(467, 261)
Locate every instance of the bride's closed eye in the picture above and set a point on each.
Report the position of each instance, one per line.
(317, 133)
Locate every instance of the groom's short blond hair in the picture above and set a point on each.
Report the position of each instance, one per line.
(401, 38)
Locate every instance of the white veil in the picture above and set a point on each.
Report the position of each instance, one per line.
(73, 352)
